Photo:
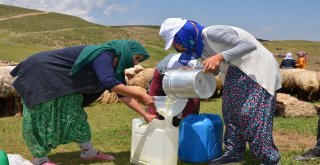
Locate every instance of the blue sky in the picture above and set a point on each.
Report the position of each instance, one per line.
(267, 19)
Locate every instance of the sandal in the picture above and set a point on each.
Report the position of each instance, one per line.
(101, 156)
(49, 163)
(45, 162)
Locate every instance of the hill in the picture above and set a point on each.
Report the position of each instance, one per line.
(26, 31)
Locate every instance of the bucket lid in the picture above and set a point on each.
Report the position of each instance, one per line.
(168, 107)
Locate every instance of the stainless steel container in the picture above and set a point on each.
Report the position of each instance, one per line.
(180, 83)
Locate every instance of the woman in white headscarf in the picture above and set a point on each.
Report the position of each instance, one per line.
(288, 62)
(251, 79)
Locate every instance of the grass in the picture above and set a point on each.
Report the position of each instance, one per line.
(311, 47)
(111, 124)
(111, 132)
(303, 126)
(17, 52)
(9, 11)
(53, 21)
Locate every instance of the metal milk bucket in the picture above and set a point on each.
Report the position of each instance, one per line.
(181, 83)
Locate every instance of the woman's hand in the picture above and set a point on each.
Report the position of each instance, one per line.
(212, 63)
(146, 99)
(133, 104)
(149, 117)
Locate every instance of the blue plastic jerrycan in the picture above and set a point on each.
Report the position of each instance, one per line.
(200, 138)
(3, 158)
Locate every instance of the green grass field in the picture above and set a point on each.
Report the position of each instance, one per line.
(111, 124)
(111, 133)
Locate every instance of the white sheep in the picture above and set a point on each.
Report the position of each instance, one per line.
(289, 84)
(307, 84)
(11, 101)
(141, 79)
(300, 82)
(131, 72)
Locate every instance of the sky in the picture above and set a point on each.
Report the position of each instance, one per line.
(265, 19)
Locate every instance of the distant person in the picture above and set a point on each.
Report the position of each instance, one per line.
(55, 86)
(288, 62)
(302, 60)
(252, 77)
(155, 87)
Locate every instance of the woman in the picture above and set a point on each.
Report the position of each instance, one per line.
(288, 62)
(251, 79)
(55, 85)
(302, 60)
(155, 86)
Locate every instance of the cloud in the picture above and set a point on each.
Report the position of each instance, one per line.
(79, 8)
(115, 7)
(120, 7)
(267, 29)
(264, 31)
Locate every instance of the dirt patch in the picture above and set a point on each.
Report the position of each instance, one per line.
(293, 141)
(23, 15)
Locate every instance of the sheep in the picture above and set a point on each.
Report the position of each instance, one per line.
(110, 97)
(318, 77)
(289, 85)
(131, 72)
(10, 99)
(141, 79)
(300, 82)
(308, 85)
(219, 86)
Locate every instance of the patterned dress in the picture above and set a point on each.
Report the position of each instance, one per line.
(248, 111)
(58, 121)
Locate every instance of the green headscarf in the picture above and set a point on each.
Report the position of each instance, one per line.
(123, 49)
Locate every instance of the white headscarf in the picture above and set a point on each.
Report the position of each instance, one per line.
(288, 55)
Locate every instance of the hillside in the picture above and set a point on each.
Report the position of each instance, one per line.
(25, 31)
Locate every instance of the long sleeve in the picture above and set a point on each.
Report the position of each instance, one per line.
(300, 63)
(103, 66)
(227, 36)
(155, 89)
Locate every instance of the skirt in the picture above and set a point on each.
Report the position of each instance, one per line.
(58, 121)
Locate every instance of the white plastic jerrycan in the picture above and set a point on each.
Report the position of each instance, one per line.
(155, 143)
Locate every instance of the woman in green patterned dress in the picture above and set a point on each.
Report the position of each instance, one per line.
(55, 85)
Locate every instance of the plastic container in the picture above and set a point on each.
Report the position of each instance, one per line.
(3, 158)
(180, 83)
(200, 138)
(169, 107)
(155, 143)
(16, 159)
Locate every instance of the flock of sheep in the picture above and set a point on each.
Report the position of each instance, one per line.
(300, 83)
(303, 84)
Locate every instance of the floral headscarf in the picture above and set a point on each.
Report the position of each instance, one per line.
(302, 54)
